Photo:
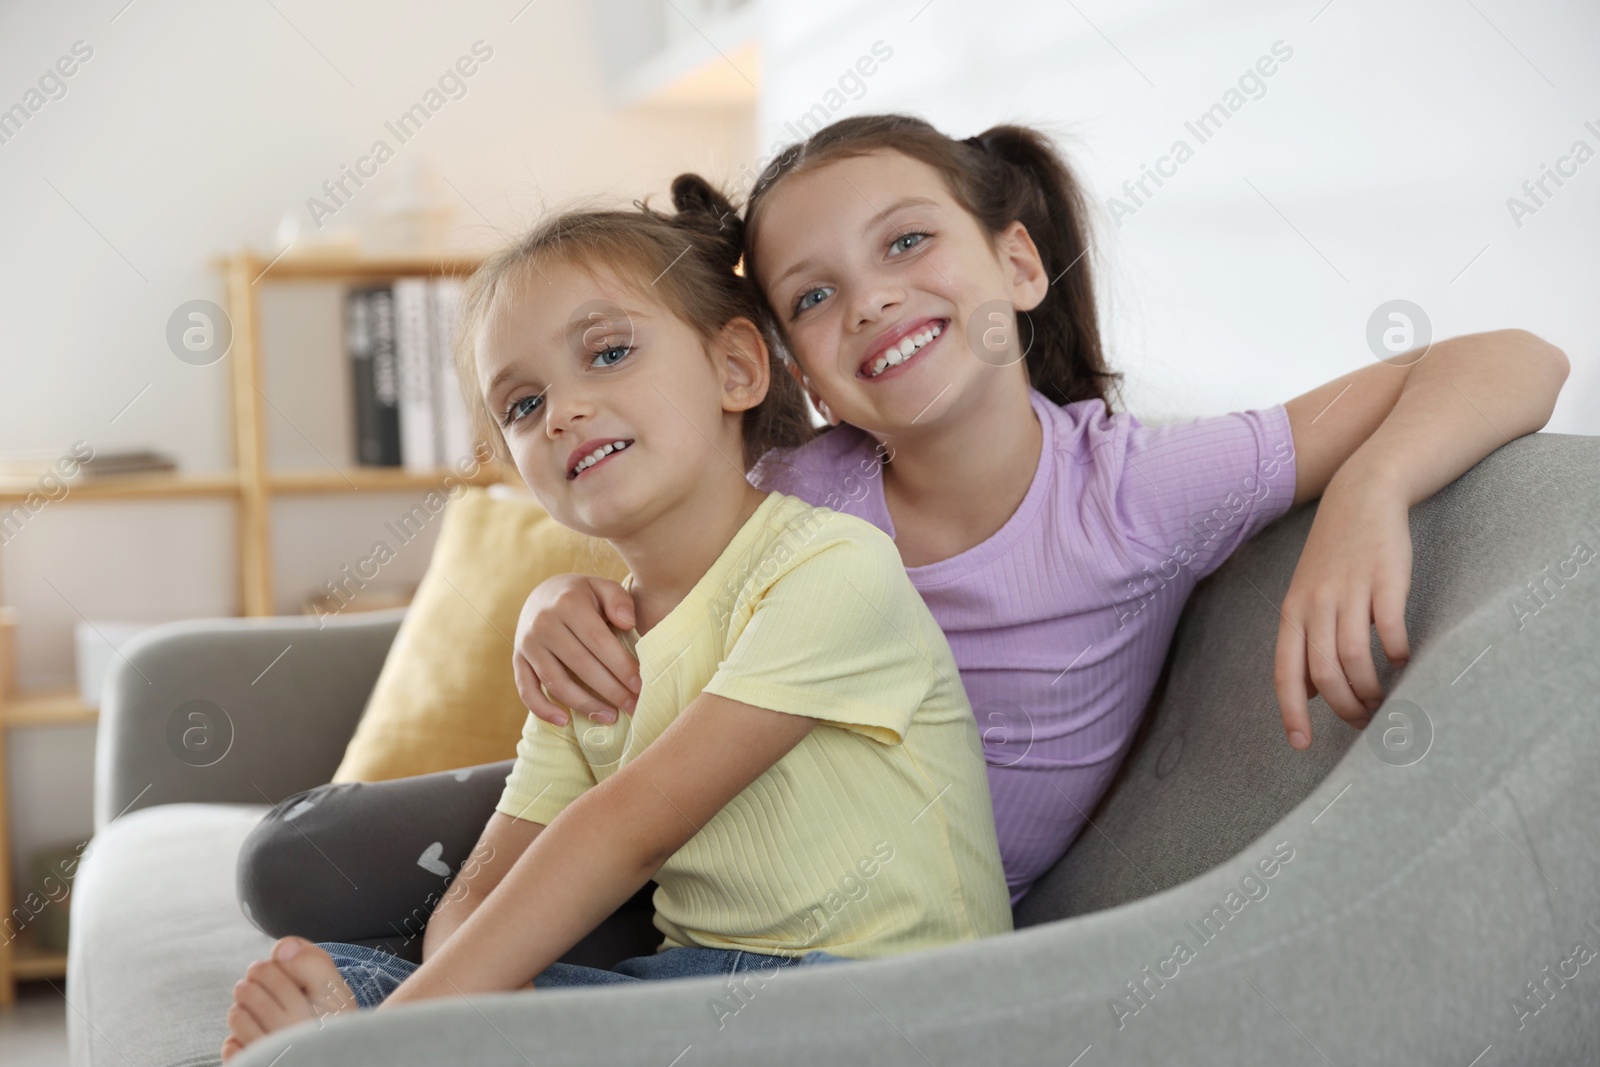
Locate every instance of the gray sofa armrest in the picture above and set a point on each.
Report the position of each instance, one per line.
(234, 710)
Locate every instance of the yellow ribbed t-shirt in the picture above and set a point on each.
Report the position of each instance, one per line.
(874, 835)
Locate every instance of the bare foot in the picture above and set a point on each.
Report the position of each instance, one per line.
(298, 981)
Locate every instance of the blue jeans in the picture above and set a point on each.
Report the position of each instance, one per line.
(374, 974)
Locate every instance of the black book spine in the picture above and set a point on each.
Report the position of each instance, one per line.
(364, 398)
(385, 375)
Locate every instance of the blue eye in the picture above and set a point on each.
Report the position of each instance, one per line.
(802, 305)
(624, 349)
(518, 409)
(907, 237)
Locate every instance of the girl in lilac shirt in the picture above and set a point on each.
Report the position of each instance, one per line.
(936, 298)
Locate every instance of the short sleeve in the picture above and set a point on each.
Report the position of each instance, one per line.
(1193, 492)
(550, 772)
(838, 636)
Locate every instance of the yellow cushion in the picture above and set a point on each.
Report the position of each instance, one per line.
(446, 696)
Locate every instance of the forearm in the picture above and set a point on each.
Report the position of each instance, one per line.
(1468, 396)
(456, 908)
(578, 871)
(446, 919)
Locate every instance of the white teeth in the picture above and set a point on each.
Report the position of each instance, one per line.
(597, 455)
(893, 357)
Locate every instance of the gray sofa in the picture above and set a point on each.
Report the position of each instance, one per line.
(1425, 891)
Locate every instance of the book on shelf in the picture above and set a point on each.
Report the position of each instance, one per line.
(409, 411)
(413, 345)
(369, 346)
(455, 430)
(133, 461)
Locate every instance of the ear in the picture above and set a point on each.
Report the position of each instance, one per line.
(816, 401)
(1019, 256)
(744, 365)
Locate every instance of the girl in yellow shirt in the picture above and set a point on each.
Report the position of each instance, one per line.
(803, 775)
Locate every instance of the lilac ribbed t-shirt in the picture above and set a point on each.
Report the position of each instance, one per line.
(1060, 621)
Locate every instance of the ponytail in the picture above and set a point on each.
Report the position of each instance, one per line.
(781, 420)
(1005, 174)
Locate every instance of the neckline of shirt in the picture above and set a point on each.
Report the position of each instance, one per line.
(681, 616)
(981, 553)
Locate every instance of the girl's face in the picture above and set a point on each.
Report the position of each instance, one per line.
(868, 260)
(570, 362)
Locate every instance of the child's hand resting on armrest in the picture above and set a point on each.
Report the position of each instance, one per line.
(563, 641)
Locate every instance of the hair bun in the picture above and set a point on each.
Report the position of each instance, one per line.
(706, 210)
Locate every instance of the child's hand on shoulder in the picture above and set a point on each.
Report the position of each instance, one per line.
(563, 641)
(1355, 570)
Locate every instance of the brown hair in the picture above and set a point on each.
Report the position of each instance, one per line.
(689, 259)
(1005, 174)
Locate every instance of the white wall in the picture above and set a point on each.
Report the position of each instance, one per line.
(189, 131)
(1390, 140)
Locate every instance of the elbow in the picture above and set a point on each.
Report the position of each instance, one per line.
(1542, 362)
(1540, 351)
(648, 856)
(655, 861)
(1544, 349)
(631, 825)
(1556, 367)
(1560, 366)
(655, 844)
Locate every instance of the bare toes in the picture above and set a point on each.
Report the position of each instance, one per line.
(325, 990)
(243, 1025)
(262, 1005)
(277, 983)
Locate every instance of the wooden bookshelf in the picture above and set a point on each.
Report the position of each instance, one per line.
(57, 707)
(356, 479)
(22, 959)
(129, 487)
(351, 268)
(243, 273)
(250, 485)
(30, 961)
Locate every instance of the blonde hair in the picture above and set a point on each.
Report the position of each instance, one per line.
(691, 261)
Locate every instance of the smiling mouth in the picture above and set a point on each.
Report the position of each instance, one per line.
(598, 456)
(905, 350)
